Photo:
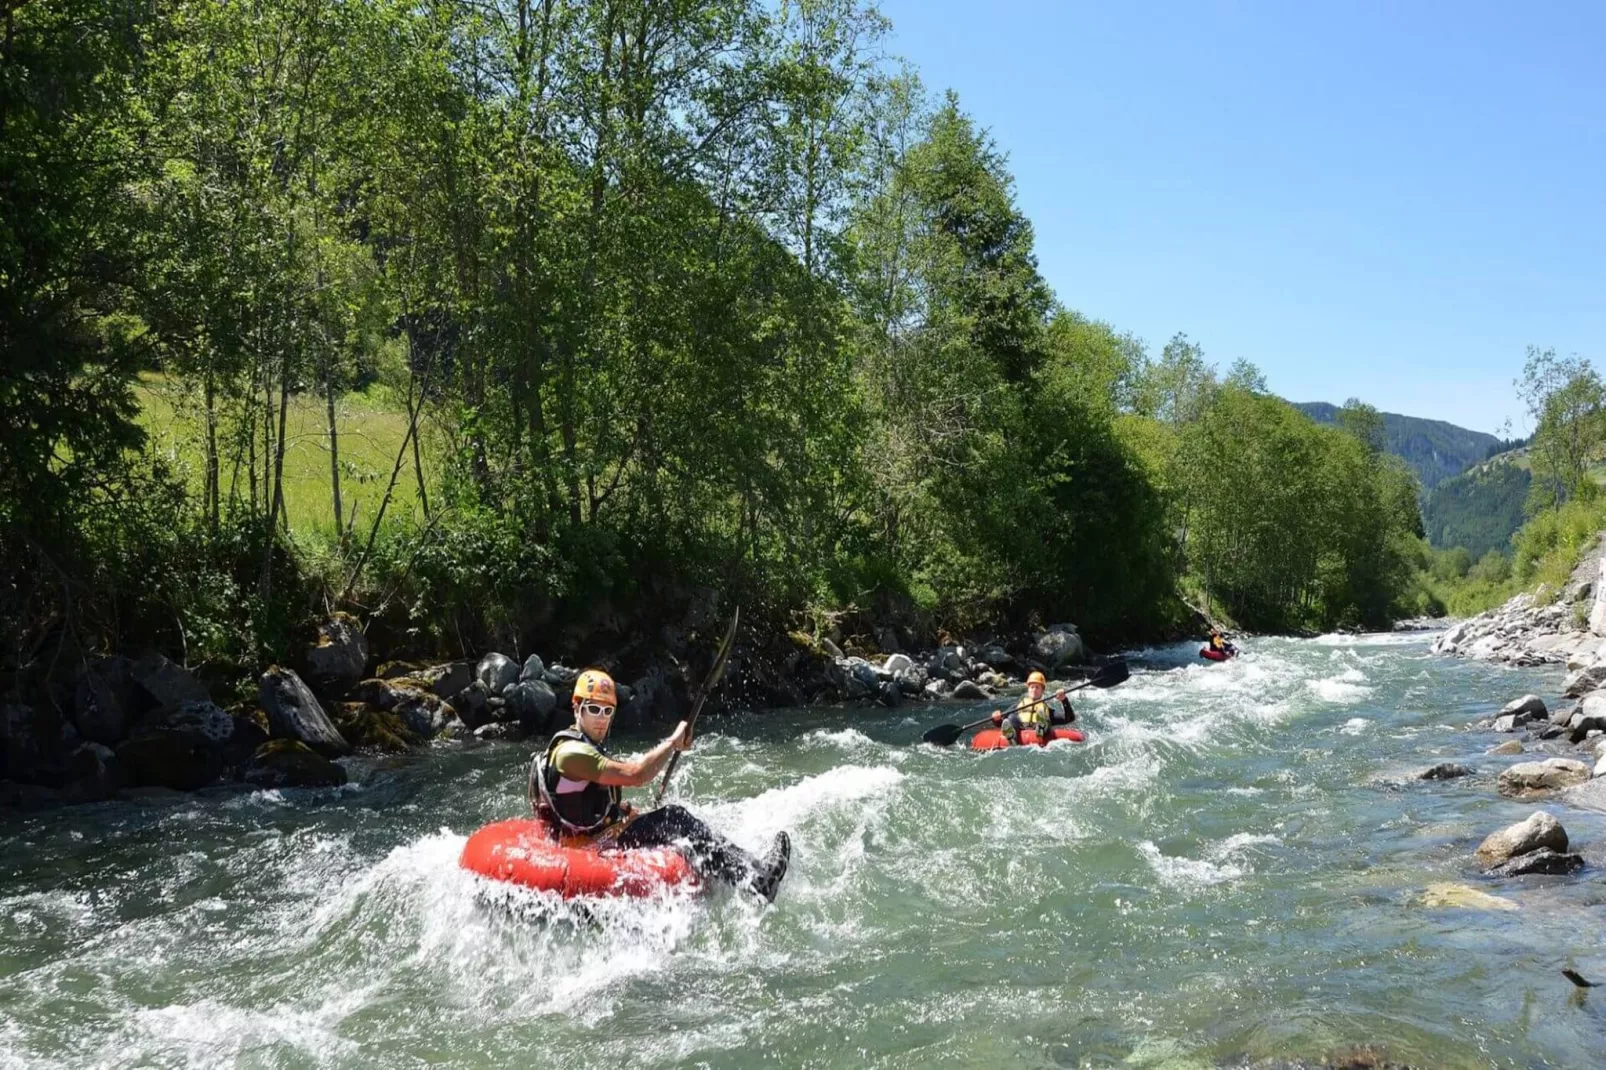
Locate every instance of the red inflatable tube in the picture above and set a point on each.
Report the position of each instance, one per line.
(1213, 655)
(993, 739)
(522, 851)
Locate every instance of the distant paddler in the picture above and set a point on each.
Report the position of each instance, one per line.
(576, 789)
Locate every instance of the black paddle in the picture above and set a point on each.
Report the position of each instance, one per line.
(720, 658)
(1104, 676)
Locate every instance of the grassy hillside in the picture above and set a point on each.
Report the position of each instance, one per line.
(1481, 509)
(1433, 449)
(371, 424)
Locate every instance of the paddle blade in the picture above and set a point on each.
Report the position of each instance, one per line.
(944, 735)
(1114, 673)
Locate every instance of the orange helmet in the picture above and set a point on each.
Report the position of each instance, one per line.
(1037, 678)
(594, 685)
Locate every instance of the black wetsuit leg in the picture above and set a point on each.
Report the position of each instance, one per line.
(709, 852)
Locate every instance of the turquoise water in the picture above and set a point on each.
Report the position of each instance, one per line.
(1231, 867)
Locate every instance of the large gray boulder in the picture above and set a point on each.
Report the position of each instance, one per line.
(534, 669)
(896, 663)
(294, 713)
(100, 701)
(654, 699)
(1525, 709)
(336, 660)
(530, 703)
(205, 721)
(450, 679)
(1585, 680)
(969, 690)
(1059, 645)
(1597, 608)
(1552, 774)
(497, 672)
(1539, 830)
(156, 758)
(1589, 716)
(165, 683)
(1543, 860)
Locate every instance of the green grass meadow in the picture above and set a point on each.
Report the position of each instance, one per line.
(371, 424)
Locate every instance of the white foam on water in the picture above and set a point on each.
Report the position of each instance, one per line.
(1337, 690)
(1355, 726)
(1188, 873)
(1223, 861)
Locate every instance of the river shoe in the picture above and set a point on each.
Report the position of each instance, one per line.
(767, 879)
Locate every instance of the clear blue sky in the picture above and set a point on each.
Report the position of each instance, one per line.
(1381, 200)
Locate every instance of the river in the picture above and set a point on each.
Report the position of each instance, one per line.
(1231, 867)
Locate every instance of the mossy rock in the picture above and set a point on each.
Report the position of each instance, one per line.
(289, 763)
(370, 729)
(391, 670)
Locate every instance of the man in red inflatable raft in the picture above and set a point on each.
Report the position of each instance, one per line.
(1032, 712)
(575, 788)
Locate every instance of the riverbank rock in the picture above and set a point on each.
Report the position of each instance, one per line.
(104, 704)
(289, 763)
(530, 702)
(1552, 774)
(419, 709)
(166, 684)
(1539, 830)
(34, 744)
(1525, 709)
(294, 713)
(1444, 771)
(1543, 627)
(449, 679)
(534, 669)
(1510, 746)
(1543, 860)
(181, 761)
(1058, 645)
(336, 660)
(968, 690)
(497, 672)
(1585, 679)
(367, 728)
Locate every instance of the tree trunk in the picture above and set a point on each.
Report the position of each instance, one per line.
(275, 509)
(212, 468)
(334, 448)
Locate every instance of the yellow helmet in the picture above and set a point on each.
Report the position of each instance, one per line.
(1037, 678)
(594, 685)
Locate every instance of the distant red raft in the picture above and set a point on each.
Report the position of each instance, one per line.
(1213, 655)
(993, 739)
(522, 851)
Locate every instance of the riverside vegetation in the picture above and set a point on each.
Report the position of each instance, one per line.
(532, 325)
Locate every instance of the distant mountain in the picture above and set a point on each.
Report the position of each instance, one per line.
(1433, 449)
(1481, 508)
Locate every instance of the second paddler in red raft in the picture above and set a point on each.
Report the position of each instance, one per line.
(576, 790)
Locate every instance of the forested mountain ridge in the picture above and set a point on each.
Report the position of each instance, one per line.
(1434, 450)
(1481, 508)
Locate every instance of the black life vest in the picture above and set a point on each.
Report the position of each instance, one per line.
(575, 806)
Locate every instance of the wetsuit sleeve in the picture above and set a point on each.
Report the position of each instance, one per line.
(574, 759)
(1065, 708)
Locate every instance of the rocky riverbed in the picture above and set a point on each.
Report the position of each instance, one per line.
(120, 725)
